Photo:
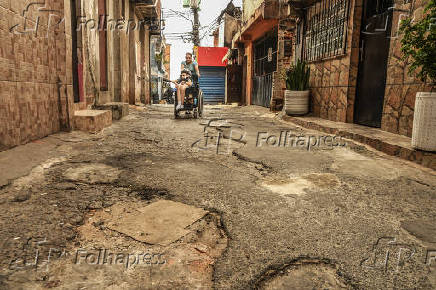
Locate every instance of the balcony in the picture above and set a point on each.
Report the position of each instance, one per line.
(148, 9)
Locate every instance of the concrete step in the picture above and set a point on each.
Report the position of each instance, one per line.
(119, 110)
(92, 121)
(389, 143)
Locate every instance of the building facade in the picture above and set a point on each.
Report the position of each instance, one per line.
(353, 48)
(358, 74)
(60, 57)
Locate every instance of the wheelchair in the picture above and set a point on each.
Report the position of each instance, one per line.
(193, 103)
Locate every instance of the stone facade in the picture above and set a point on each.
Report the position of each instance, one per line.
(35, 71)
(39, 83)
(401, 88)
(333, 81)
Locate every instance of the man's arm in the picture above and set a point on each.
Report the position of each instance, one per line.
(197, 70)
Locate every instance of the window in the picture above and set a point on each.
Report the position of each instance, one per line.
(326, 29)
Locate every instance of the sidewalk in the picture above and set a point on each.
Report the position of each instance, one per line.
(389, 143)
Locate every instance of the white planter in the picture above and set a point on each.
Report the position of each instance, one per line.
(424, 122)
(296, 102)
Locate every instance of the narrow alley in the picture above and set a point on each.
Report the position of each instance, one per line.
(230, 144)
(270, 217)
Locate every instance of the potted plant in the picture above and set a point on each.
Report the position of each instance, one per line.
(419, 46)
(297, 89)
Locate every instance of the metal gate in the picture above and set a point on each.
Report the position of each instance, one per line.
(213, 84)
(265, 63)
(262, 90)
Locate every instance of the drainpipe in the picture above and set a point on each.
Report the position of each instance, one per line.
(67, 125)
(59, 85)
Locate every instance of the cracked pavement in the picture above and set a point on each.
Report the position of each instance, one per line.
(343, 217)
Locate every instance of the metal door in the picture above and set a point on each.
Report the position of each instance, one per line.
(262, 90)
(374, 52)
(234, 83)
(213, 84)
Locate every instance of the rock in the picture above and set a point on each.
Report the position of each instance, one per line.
(95, 205)
(76, 220)
(22, 196)
(65, 186)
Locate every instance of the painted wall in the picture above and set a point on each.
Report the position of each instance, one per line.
(248, 8)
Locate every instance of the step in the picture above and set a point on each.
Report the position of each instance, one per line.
(119, 110)
(386, 142)
(92, 121)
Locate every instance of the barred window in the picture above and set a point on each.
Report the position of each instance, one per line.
(265, 55)
(326, 29)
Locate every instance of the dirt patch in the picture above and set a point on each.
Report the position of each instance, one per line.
(297, 186)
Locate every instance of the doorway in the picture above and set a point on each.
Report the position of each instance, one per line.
(373, 60)
(265, 63)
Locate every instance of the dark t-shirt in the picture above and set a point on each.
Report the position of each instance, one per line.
(190, 66)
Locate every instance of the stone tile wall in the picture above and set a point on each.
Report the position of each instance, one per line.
(401, 88)
(31, 66)
(333, 81)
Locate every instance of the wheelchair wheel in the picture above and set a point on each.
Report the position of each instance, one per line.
(200, 104)
(176, 113)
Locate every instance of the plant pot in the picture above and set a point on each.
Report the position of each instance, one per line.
(296, 102)
(424, 122)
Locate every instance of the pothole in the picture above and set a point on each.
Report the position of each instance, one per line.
(303, 274)
(297, 186)
(94, 173)
(135, 245)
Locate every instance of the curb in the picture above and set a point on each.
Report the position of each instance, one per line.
(423, 158)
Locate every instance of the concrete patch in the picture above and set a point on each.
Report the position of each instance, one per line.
(299, 185)
(162, 222)
(349, 162)
(422, 229)
(94, 173)
(306, 276)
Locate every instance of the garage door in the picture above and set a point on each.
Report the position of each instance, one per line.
(213, 84)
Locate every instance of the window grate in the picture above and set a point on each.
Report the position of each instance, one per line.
(326, 29)
(265, 55)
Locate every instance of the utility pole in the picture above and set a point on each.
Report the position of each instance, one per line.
(196, 26)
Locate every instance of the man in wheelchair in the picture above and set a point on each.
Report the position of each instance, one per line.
(189, 95)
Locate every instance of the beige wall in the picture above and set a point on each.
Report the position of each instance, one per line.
(248, 8)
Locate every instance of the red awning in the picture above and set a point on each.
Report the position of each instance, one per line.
(212, 56)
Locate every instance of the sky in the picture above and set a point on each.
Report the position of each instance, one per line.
(210, 10)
